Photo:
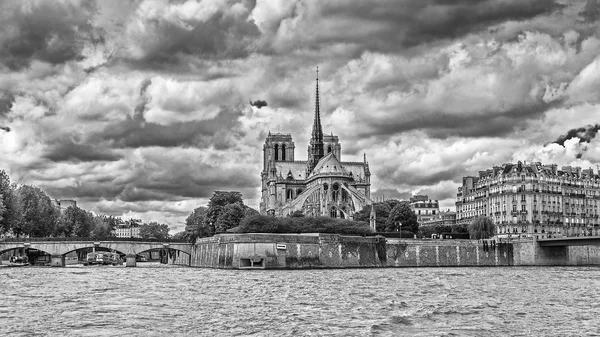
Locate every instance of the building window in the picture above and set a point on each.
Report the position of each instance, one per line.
(283, 152)
(276, 151)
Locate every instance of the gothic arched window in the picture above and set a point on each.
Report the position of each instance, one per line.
(283, 152)
(276, 147)
(329, 149)
(333, 212)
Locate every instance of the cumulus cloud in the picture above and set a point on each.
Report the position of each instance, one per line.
(51, 32)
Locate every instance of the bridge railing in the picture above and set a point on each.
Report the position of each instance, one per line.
(70, 239)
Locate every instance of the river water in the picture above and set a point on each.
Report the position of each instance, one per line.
(160, 300)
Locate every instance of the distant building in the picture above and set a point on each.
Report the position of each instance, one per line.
(322, 185)
(533, 200)
(442, 218)
(129, 229)
(63, 204)
(424, 208)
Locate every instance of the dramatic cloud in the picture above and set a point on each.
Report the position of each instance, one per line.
(258, 103)
(584, 134)
(140, 108)
(54, 32)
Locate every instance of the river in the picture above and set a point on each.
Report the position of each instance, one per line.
(161, 300)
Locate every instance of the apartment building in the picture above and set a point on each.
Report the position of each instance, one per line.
(424, 208)
(526, 200)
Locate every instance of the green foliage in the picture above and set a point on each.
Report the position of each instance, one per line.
(297, 214)
(221, 214)
(402, 217)
(196, 226)
(38, 215)
(154, 230)
(101, 228)
(382, 212)
(180, 236)
(218, 201)
(8, 195)
(77, 222)
(269, 224)
(2, 208)
(230, 217)
(482, 228)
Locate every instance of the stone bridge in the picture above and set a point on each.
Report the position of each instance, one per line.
(58, 249)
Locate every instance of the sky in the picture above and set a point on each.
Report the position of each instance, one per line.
(142, 109)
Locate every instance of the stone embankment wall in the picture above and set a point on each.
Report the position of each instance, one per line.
(300, 251)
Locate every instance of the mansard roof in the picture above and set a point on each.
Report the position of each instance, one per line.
(329, 164)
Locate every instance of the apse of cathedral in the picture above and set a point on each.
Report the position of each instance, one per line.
(322, 185)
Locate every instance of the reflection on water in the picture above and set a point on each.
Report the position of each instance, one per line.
(159, 300)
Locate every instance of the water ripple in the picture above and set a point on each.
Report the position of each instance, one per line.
(164, 300)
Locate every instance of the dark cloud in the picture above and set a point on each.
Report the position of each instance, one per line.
(53, 32)
(5, 128)
(585, 134)
(591, 11)
(201, 134)
(140, 108)
(222, 36)
(258, 103)
(392, 25)
(176, 180)
(442, 125)
(69, 151)
(6, 101)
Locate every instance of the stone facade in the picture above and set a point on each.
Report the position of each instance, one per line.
(443, 218)
(526, 200)
(323, 185)
(424, 208)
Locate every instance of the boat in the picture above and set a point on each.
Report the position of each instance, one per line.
(103, 258)
(18, 261)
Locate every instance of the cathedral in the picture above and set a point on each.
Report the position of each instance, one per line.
(323, 185)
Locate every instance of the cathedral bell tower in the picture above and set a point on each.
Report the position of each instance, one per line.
(316, 148)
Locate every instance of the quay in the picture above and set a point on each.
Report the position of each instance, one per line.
(310, 251)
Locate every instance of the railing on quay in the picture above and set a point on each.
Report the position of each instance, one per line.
(78, 239)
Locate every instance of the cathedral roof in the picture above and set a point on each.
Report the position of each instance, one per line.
(329, 164)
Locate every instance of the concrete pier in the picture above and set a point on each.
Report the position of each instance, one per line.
(130, 260)
(57, 260)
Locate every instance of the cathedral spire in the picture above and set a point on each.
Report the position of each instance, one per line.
(317, 150)
(317, 131)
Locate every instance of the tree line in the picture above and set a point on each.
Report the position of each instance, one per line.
(226, 212)
(27, 211)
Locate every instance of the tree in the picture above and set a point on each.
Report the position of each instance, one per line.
(196, 226)
(402, 217)
(78, 222)
(482, 228)
(180, 236)
(230, 217)
(38, 215)
(154, 230)
(2, 209)
(8, 195)
(297, 214)
(217, 203)
(101, 228)
(382, 212)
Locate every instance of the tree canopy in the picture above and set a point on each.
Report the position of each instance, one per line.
(154, 230)
(196, 225)
(402, 217)
(482, 228)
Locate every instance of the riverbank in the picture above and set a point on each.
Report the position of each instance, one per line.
(306, 251)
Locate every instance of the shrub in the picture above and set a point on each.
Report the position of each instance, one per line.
(269, 224)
